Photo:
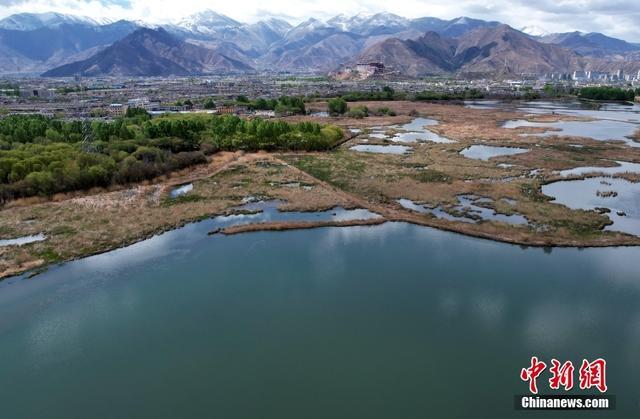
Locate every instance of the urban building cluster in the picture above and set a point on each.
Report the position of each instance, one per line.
(108, 98)
(596, 76)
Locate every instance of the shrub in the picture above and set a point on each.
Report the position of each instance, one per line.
(358, 112)
(337, 106)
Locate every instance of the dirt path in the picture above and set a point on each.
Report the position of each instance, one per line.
(218, 164)
(388, 212)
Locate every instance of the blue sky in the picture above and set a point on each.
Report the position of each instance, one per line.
(619, 18)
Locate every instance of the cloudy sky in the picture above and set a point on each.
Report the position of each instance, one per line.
(620, 18)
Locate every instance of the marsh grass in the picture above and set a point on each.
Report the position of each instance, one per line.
(430, 175)
(183, 199)
(63, 230)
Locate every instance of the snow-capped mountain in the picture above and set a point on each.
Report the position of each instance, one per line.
(370, 24)
(207, 22)
(36, 42)
(310, 30)
(310, 24)
(534, 30)
(341, 22)
(279, 26)
(33, 21)
(32, 42)
(462, 25)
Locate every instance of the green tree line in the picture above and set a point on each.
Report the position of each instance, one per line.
(461, 95)
(387, 93)
(285, 105)
(608, 93)
(43, 156)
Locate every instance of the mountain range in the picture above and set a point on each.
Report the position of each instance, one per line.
(31, 43)
(591, 44)
(210, 43)
(501, 51)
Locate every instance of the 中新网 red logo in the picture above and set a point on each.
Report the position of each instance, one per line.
(591, 374)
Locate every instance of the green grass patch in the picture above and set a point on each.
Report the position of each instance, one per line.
(582, 229)
(233, 170)
(316, 167)
(183, 199)
(431, 176)
(567, 148)
(50, 255)
(63, 231)
(7, 231)
(534, 193)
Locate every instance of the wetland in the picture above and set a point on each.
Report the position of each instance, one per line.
(385, 161)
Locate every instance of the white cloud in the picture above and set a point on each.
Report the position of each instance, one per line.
(614, 17)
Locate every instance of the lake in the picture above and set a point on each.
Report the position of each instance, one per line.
(603, 110)
(621, 197)
(414, 131)
(611, 121)
(362, 322)
(598, 129)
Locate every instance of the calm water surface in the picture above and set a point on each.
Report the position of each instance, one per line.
(180, 190)
(471, 207)
(382, 149)
(620, 196)
(601, 129)
(486, 152)
(611, 121)
(393, 321)
(21, 241)
(604, 110)
(620, 167)
(415, 131)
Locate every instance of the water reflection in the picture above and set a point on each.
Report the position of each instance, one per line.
(382, 149)
(417, 124)
(269, 211)
(281, 315)
(414, 131)
(180, 190)
(611, 111)
(601, 130)
(469, 209)
(553, 325)
(620, 196)
(485, 152)
(21, 241)
(620, 167)
(412, 137)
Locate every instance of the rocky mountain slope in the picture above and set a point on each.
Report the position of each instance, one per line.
(592, 44)
(499, 50)
(148, 52)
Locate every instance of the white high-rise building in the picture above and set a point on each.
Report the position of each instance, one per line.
(579, 75)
